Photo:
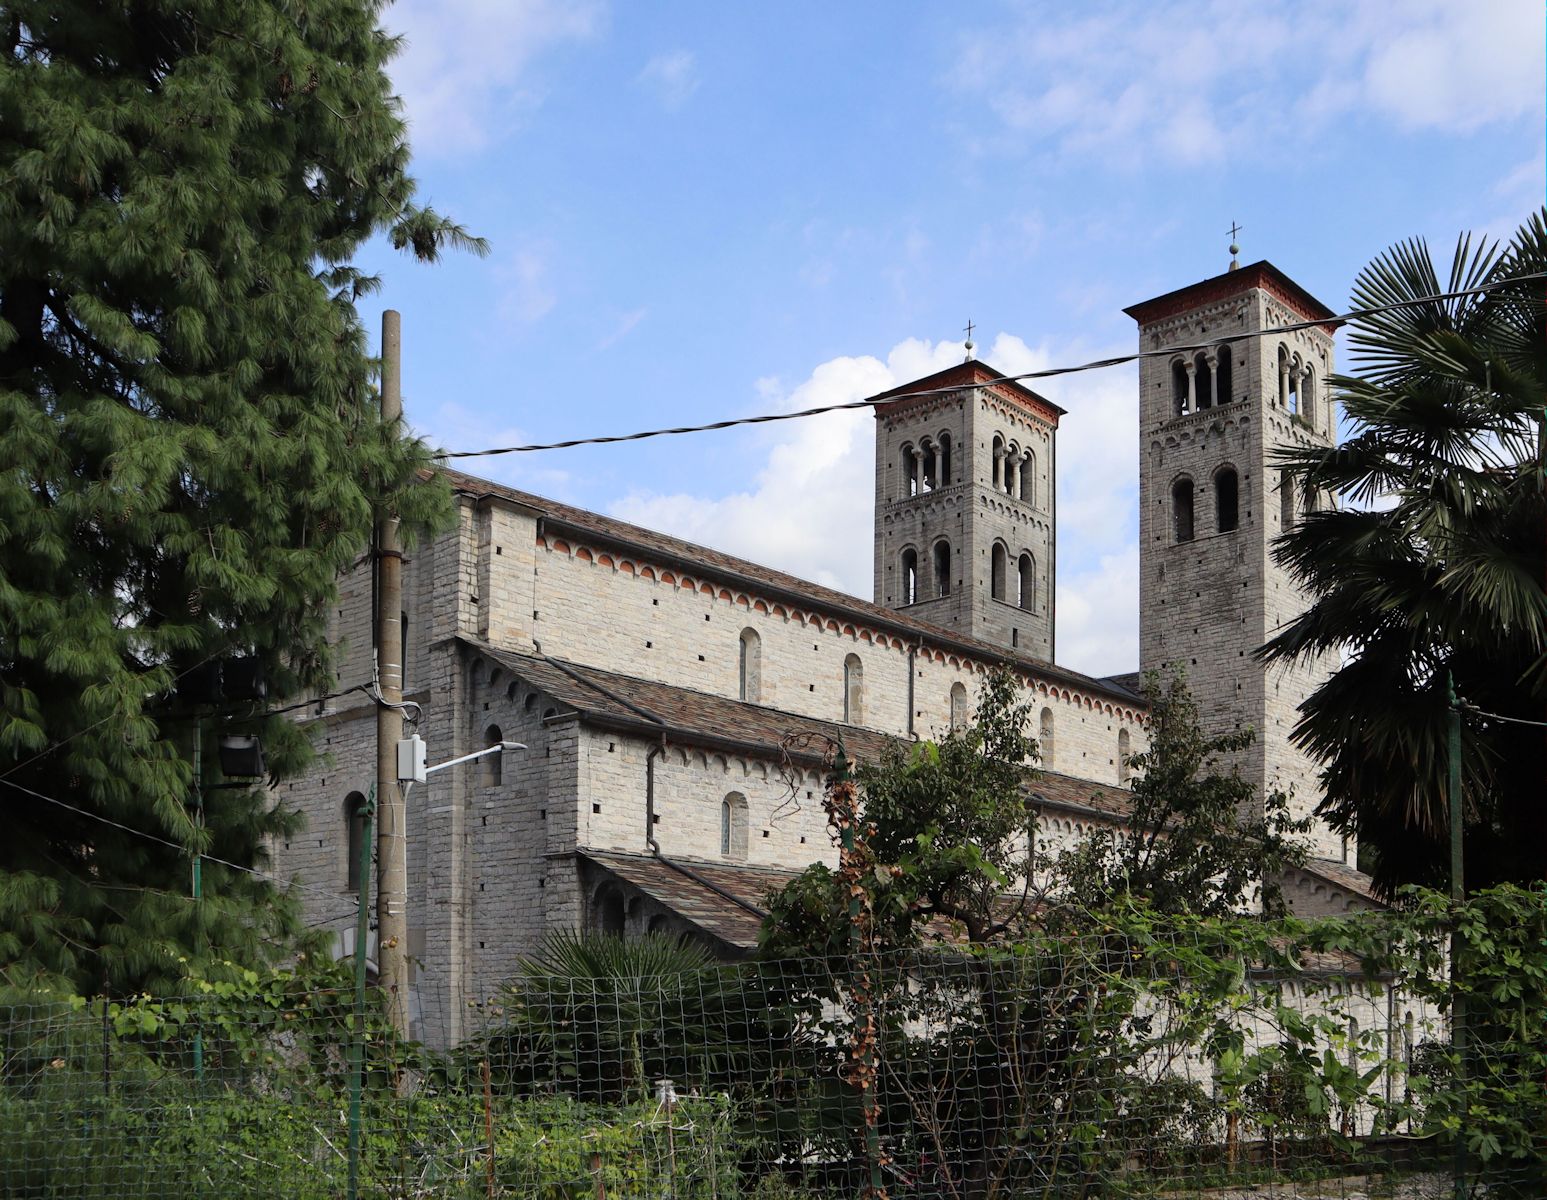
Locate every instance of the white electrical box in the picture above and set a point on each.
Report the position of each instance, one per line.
(412, 760)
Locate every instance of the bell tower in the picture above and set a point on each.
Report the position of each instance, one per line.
(965, 494)
(1212, 412)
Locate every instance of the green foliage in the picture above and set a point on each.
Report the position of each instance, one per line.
(943, 835)
(190, 452)
(1446, 576)
(1198, 841)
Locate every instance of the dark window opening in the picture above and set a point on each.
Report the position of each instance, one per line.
(1181, 510)
(1227, 500)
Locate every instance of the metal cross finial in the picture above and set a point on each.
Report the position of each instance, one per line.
(1234, 246)
(968, 343)
(1234, 229)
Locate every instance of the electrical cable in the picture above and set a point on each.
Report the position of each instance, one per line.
(52, 746)
(1046, 373)
(1472, 708)
(152, 837)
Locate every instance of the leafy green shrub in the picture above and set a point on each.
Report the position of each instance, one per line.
(558, 1149)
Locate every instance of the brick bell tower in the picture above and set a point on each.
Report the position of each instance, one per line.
(1211, 503)
(965, 494)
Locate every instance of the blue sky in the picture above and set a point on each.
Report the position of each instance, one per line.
(706, 210)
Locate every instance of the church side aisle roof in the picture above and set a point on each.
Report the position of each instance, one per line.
(629, 704)
(703, 559)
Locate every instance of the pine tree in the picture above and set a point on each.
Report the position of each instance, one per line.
(190, 452)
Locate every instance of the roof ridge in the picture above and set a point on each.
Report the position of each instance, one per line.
(816, 593)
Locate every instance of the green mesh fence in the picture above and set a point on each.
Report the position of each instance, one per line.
(1220, 1059)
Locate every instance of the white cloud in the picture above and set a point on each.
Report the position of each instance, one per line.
(527, 294)
(1193, 81)
(1457, 67)
(672, 77)
(624, 327)
(809, 507)
(464, 70)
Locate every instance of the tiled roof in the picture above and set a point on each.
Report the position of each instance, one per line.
(672, 884)
(1344, 876)
(621, 533)
(703, 718)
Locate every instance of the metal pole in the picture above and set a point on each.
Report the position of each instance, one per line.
(392, 856)
(862, 980)
(198, 870)
(357, 1035)
(1457, 896)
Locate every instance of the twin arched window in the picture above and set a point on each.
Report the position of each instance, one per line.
(926, 466)
(733, 827)
(749, 666)
(1204, 381)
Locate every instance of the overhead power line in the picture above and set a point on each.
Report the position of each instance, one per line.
(1098, 364)
(269, 876)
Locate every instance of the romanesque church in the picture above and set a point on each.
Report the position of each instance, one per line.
(676, 701)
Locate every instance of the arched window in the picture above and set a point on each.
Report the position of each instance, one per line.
(910, 576)
(733, 827)
(493, 772)
(354, 837)
(958, 706)
(749, 682)
(1181, 510)
(910, 471)
(1045, 738)
(1223, 375)
(1286, 502)
(1203, 381)
(942, 568)
(1012, 466)
(1227, 499)
(927, 471)
(853, 690)
(945, 460)
(1308, 396)
(1283, 376)
(610, 916)
(1124, 770)
(998, 481)
(1028, 472)
(998, 567)
(1027, 579)
(1179, 388)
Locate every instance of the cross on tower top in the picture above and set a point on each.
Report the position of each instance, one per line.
(1235, 248)
(970, 328)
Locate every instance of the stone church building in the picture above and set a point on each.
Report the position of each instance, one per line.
(677, 701)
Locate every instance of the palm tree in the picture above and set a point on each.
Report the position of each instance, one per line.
(1435, 568)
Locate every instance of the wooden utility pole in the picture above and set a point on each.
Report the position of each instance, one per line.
(392, 839)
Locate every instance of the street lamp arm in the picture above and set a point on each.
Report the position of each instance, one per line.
(499, 748)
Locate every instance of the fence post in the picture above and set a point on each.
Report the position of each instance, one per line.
(1457, 898)
(357, 1038)
(488, 1124)
(848, 805)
